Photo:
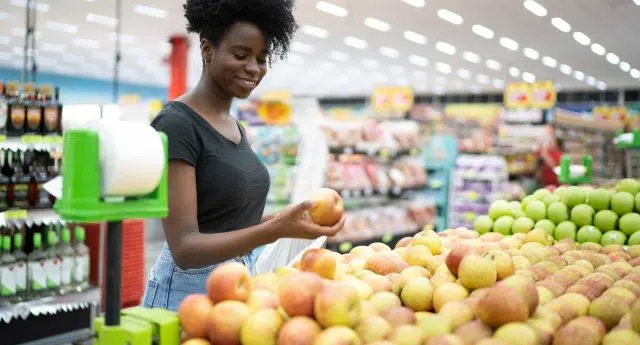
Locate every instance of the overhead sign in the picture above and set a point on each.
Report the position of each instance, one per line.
(543, 94)
(395, 98)
(517, 95)
(537, 95)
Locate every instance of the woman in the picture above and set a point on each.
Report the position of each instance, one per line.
(217, 185)
(550, 155)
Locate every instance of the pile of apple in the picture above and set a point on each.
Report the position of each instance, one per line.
(581, 213)
(456, 287)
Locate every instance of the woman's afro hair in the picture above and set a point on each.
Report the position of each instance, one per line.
(212, 19)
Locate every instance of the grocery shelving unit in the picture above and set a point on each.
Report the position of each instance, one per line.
(439, 157)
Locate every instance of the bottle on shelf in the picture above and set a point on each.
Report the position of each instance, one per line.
(67, 255)
(20, 268)
(7, 273)
(81, 267)
(36, 267)
(17, 111)
(52, 266)
(5, 181)
(34, 110)
(51, 110)
(20, 180)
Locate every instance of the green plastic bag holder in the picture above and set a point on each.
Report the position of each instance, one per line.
(130, 331)
(565, 171)
(165, 326)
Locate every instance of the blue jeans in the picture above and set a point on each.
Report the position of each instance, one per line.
(168, 285)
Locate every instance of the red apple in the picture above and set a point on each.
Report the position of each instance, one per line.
(327, 208)
(299, 330)
(229, 281)
(338, 304)
(193, 313)
(320, 261)
(298, 292)
(456, 255)
(225, 322)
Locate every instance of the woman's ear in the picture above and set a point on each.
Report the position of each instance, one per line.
(206, 48)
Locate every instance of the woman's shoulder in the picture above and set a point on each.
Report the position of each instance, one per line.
(172, 115)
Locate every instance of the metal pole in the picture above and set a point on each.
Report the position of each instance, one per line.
(34, 67)
(116, 68)
(114, 274)
(27, 32)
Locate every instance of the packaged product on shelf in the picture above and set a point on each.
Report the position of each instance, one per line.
(16, 108)
(20, 268)
(34, 112)
(21, 179)
(82, 265)
(67, 258)
(52, 266)
(51, 109)
(7, 276)
(37, 274)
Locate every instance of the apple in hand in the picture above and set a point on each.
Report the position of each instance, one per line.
(193, 313)
(327, 208)
(320, 261)
(229, 281)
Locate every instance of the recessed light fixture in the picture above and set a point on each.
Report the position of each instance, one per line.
(498, 83)
(377, 24)
(528, 77)
(62, 27)
(100, 19)
(549, 62)
(566, 69)
(21, 32)
(635, 73)
(624, 66)
(579, 75)
(561, 24)
(464, 73)
(591, 80)
(493, 64)
(598, 49)
(443, 67)
(581, 38)
(150, 11)
(390, 52)
(370, 63)
(531, 53)
(535, 8)
(124, 38)
(637, 2)
(418, 60)
(613, 58)
(471, 57)
(602, 85)
(509, 43)
(483, 79)
(450, 17)
(415, 37)
(414, 3)
(314, 31)
(39, 6)
(85, 43)
(355, 42)
(52, 48)
(446, 48)
(482, 31)
(339, 56)
(5, 39)
(514, 72)
(332, 9)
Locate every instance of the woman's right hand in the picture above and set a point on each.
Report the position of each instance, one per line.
(293, 222)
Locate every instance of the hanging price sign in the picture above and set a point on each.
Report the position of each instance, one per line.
(517, 95)
(392, 99)
(543, 94)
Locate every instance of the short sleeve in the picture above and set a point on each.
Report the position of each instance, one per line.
(182, 138)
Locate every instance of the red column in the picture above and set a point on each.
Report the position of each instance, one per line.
(178, 65)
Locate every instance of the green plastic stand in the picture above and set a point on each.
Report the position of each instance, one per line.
(165, 327)
(634, 144)
(131, 331)
(565, 171)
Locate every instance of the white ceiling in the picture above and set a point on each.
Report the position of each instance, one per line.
(312, 68)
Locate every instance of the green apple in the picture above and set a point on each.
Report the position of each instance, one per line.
(622, 203)
(536, 210)
(522, 225)
(600, 199)
(574, 196)
(560, 191)
(503, 225)
(558, 212)
(499, 208)
(545, 225)
(630, 223)
(628, 185)
(541, 193)
(550, 199)
(605, 220)
(483, 224)
(588, 233)
(613, 237)
(565, 229)
(516, 209)
(634, 239)
(582, 215)
(526, 200)
(638, 202)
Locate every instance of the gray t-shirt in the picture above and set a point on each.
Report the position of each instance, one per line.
(231, 182)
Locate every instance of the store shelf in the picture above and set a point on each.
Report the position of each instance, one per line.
(388, 239)
(374, 151)
(50, 305)
(395, 192)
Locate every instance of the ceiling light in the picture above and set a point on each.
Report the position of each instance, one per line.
(598, 49)
(581, 38)
(624, 66)
(5, 39)
(493, 64)
(483, 79)
(331, 9)
(339, 56)
(100, 19)
(124, 38)
(635, 73)
(482, 31)
(418, 60)
(637, 2)
(21, 32)
(377, 24)
(150, 11)
(370, 63)
(86, 43)
(514, 72)
(602, 85)
(561, 24)
(528, 77)
(464, 73)
(535, 8)
(314, 31)
(566, 69)
(355, 42)
(509, 43)
(498, 83)
(443, 67)
(531, 53)
(471, 57)
(62, 27)
(301, 47)
(389, 52)
(415, 37)
(613, 58)
(550, 62)
(591, 80)
(446, 48)
(450, 17)
(52, 48)
(295, 59)
(39, 6)
(578, 75)
(415, 3)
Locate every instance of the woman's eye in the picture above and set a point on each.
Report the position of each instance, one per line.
(240, 56)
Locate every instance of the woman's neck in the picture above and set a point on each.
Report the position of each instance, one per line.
(211, 98)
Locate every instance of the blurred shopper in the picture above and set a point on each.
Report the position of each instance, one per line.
(217, 185)
(551, 151)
